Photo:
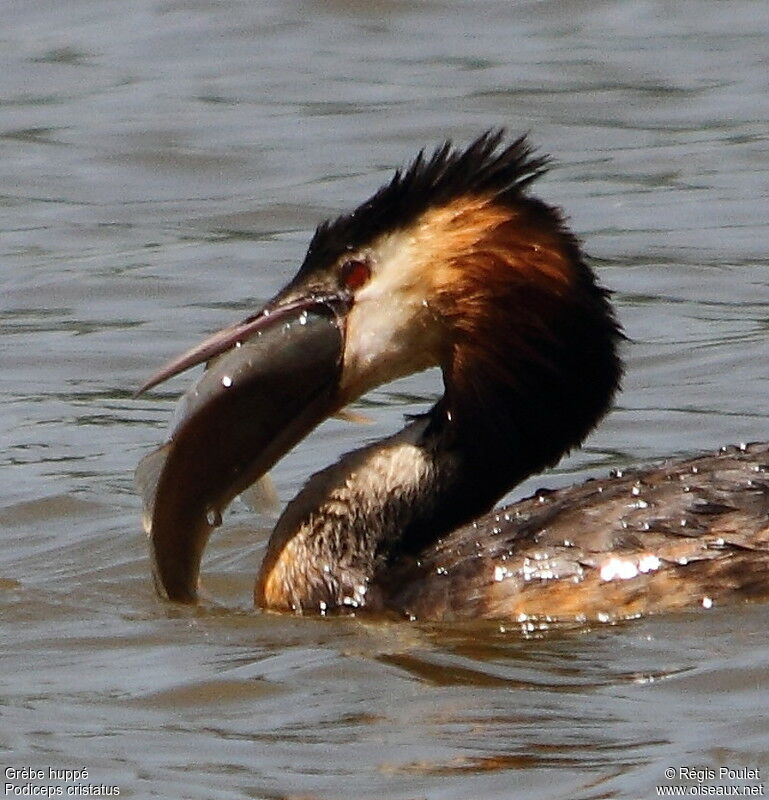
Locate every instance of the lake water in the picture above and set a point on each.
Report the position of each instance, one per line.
(162, 166)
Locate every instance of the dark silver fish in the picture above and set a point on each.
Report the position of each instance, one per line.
(253, 403)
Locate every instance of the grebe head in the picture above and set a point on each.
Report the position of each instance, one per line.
(451, 264)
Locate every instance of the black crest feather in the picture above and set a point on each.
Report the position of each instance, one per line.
(430, 181)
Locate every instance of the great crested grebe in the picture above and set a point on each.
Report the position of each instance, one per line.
(454, 264)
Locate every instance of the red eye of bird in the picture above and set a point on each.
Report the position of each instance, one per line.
(355, 273)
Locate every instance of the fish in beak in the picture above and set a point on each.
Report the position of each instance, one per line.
(269, 381)
(399, 285)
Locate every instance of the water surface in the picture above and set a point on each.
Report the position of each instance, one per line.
(163, 166)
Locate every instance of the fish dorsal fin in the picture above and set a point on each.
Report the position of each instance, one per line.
(348, 415)
(146, 480)
(261, 496)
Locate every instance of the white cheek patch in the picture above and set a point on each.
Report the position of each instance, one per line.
(390, 330)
